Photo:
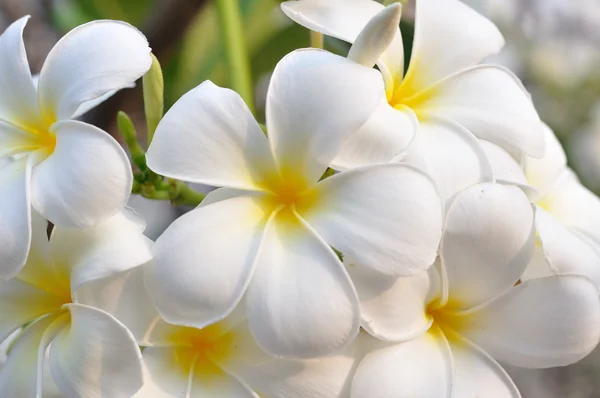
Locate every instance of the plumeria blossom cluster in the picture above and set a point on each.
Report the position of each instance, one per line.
(384, 234)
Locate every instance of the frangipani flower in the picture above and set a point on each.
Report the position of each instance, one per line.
(453, 99)
(220, 360)
(73, 173)
(567, 213)
(447, 327)
(267, 233)
(91, 353)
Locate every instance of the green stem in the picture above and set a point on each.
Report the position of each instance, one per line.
(182, 195)
(316, 39)
(138, 157)
(235, 49)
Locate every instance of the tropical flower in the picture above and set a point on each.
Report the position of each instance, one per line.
(455, 100)
(567, 213)
(446, 328)
(267, 233)
(91, 353)
(73, 173)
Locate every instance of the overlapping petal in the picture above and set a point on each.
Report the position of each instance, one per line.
(15, 216)
(505, 168)
(300, 302)
(87, 63)
(204, 260)
(85, 180)
(387, 133)
(491, 103)
(307, 125)
(421, 367)
(386, 217)
(553, 321)
(210, 136)
(14, 141)
(18, 96)
(109, 248)
(543, 173)
(487, 243)
(449, 36)
(451, 155)
(95, 353)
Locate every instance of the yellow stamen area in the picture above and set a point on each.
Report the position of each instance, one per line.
(42, 137)
(445, 319)
(200, 349)
(410, 93)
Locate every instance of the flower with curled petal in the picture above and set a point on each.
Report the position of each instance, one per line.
(90, 353)
(444, 330)
(267, 233)
(72, 173)
(438, 114)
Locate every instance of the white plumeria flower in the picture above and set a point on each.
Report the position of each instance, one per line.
(567, 213)
(447, 327)
(458, 103)
(72, 173)
(220, 360)
(267, 233)
(91, 353)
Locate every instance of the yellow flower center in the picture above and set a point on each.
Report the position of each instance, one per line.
(410, 93)
(41, 138)
(445, 319)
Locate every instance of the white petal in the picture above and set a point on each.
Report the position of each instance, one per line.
(386, 134)
(566, 252)
(387, 217)
(394, 309)
(210, 136)
(204, 260)
(163, 376)
(449, 36)
(95, 356)
(300, 302)
(345, 19)
(542, 173)
(22, 374)
(220, 385)
(476, 374)
(86, 179)
(88, 62)
(419, 368)
(574, 206)
(109, 248)
(18, 96)
(15, 216)
(89, 105)
(124, 296)
(490, 102)
(553, 321)
(15, 141)
(21, 303)
(487, 243)
(505, 168)
(538, 266)
(451, 155)
(307, 125)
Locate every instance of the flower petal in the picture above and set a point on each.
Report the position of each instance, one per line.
(308, 125)
(451, 155)
(574, 206)
(96, 355)
(487, 243)
(421, 367)
(21, 303)
(220, 385)
(345, 19)
(449, 36)
(395, 230)
(210, 137)
(566, 252)
(109, 248)
(22, 375)
(547, 322)
(15, 216)
(18, 96)
(300, 302)
(476, 374)
(394, 309)
(491, 103)
(542, 173)
(204, 261)
(163, 377)
(386, 134)
(505, 168)
(14, 141)
(85, 180)
(88, 62)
